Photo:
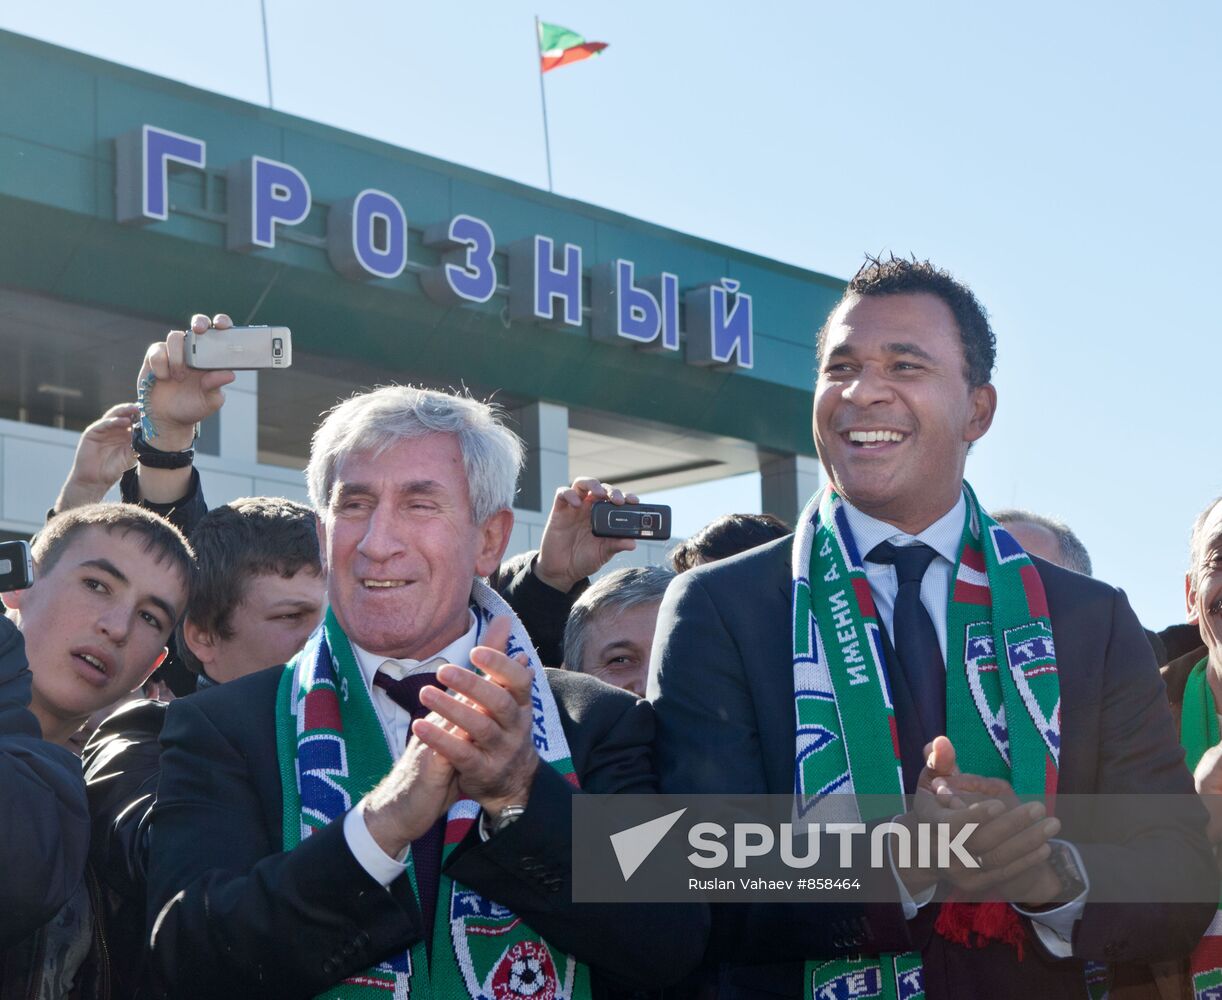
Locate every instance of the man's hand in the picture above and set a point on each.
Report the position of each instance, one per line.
(181, 397)
(1011, 845)
(1208, 778)
(569, 552)
(103, 454)
(490, 744)
(1010, 842)
(419, 788)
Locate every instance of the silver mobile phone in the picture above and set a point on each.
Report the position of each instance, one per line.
(240, 348)
(16, 566)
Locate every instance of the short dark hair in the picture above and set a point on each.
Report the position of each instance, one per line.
(1073, 552)
(727, 536)
(161, 539)
(242, 539)
(909, 276)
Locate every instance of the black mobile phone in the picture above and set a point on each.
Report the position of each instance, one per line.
(632, 520)
(16, 566)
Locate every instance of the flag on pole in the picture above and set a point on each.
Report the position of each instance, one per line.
(559, 46)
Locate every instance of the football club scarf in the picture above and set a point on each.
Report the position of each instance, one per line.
(1198, 732)
(1002, 693)
(333, 750)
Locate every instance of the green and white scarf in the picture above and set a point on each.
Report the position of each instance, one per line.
(1003, 722)
(333, 750)
(1198, 732)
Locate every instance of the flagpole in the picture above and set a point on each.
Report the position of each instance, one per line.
(267, 54)
(547, 142)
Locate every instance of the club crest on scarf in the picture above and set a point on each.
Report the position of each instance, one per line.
(982, 681)
(1031, 656)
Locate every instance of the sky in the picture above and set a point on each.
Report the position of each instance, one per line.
(1061, 159)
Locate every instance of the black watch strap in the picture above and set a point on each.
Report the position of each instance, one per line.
(152, 458)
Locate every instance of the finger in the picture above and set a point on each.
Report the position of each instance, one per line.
(112, 429)
(615, 495)
(940, 756)
(496, 637)
(174, 342)
(505, 671)
(495, 699)
(1011, 823)
(1022, 844)
(200, 323)
(460, 753)
(126, 410)
(215, 379)
(586, 486)
(480, 726)
(994, 788)
(157, 361)
(984, 877)
(221, 321)
(632, 498)
(566, 498)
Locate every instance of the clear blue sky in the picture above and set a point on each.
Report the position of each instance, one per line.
(1060, 158)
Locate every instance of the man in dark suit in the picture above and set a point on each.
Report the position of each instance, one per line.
(314, 828)
(903, 390)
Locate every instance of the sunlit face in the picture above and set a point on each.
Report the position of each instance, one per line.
(617, 646)
(894, 414)
(268, 627)
(402, 548)
(1205, 599)
(95, 625)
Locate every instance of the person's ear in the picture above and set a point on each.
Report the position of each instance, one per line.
(165, 651)
(320, 529)
(200, 641)
(1190, 599)
(493, 540)
(984, 408)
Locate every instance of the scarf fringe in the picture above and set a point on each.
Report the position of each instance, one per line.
(976, 925)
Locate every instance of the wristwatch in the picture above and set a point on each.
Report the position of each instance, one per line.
(154, 458)
(492, 825)
(1065, 866)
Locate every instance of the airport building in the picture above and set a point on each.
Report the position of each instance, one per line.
(622, 350)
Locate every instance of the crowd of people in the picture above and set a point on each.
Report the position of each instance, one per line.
(284, 750)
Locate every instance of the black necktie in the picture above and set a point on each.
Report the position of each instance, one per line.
(918, 655)
(426, 850)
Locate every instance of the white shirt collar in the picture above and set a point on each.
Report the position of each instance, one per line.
(459, 652)
(943, 536)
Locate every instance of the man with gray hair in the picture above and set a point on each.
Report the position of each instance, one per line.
(378, 814)
(610, 630)
(1046, 537)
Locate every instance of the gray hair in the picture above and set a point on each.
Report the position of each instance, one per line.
(614, 593)
(1198, 543)
(1073, 552)
(375, 421)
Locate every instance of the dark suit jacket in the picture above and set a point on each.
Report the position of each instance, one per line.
(723, 695)
(234, 915)
(42, 797)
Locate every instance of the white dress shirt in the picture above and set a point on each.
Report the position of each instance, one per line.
(1054, 927)
(396, 725)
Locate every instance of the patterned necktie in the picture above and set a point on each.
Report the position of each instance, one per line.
(914, 638)
(426, 850)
